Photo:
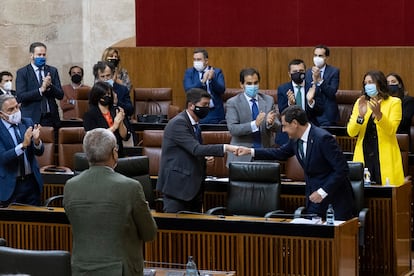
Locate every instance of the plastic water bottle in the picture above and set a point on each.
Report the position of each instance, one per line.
(330, 215)
(191, 267)
(367, 177)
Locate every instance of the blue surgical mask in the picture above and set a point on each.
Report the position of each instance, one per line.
(39, 61)
(371, 89)
(110, 82)
(251, 90)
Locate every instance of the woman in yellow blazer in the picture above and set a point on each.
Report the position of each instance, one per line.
(375, 119)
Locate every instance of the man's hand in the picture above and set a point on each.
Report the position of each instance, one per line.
(243, 151)
(209, 159)
(315, 197)
(270, 117)
(260, 118)
(231, 148)
(36, 134)
(316, 74)
(291, 97)
(27, 137)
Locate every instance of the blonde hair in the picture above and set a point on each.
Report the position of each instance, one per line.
(109, 52)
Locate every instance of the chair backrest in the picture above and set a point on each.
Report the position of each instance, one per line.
(218, 168)
(254, 188)
(152, 100)
(151, 143)
(404, 143)
(34, 262)
(356, 176)
(293, 169)
(47, 135)
(70, 142)
(82, 101)
(345, 100)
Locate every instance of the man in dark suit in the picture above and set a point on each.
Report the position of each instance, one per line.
(326, 79)
(299, 92)
(324, 165)
(37, 88)
(20, 179)
(6, 83)
(210, 79)
(109, 215)
(105, 71)
(183, 158)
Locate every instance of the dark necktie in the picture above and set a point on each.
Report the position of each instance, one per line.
(197, 131)
(257, 140)
(300, 149)
(39, 76)
(45, 108)
(21, 156)
(298, 97)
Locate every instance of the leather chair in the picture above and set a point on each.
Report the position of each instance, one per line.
(404, 143)
(218, 168)
(253, 189)
(3, 242)
(136, 167)
(151, 143)
(346, 100)
(293, 170)
(154, 101)
(70, 142)
(82, 101)
(34, 262)
(48, 139)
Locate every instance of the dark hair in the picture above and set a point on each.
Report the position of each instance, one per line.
(296, 61)
(5, 73)
(295, 112)
(99, 90)
(36, 44)
(100, 66)
(194, 95)
(248, 72)
(401, 86)
(322, 46)
(203, 51)
(76, 66)
(380, 80)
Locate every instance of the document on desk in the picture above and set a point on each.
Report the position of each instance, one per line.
(313, 221)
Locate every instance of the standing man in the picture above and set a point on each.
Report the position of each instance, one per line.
(105, 71)
(68, 103)
(251, 118)
(210, 79)
(299, 92)
(21, 181)
(38, 87)
(326, 79)
(183, 158)
(100, 200)
(324, 165)
(6, 83)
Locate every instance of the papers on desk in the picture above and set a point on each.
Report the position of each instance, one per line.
(309, 221)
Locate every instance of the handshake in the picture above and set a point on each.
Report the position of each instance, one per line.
(237, 150)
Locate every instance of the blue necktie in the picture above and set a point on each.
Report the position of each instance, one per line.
(298, 97)
(300, 149)
(197, 131)
(21, 156)
(257, 140)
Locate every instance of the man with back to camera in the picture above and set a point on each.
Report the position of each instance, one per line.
(250, 116)
(21, 181)
(326, 79)
(37, 88)
(108, 212)
(210, 79)
(183, 158)
(324, 165)
(299, 92)
(6, 83)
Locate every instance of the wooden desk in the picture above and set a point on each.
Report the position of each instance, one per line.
(255, 246)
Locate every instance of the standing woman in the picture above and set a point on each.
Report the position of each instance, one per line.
(121, 75)
(103, 113)
(375, 119)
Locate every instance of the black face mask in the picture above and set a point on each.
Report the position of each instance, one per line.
(394, 88)
(106, 101)
(76, 78)
(201, 111)
(297, 77)
(114, 62)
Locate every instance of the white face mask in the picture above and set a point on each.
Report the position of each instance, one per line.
(14, 118)
(318, 61)
(198, 65)
(8, 86)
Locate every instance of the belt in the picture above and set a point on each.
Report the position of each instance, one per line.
(23, 177)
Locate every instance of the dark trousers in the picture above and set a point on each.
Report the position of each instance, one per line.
(174, 205)
(26, 192)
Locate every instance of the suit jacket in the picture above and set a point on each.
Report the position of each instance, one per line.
(27, 91)
(182, 165)
(327, 92)
(239, 117)
(324, 167)
(124, 100)
(102, 201)
(9, 160)
(93, 118)
(217, 89)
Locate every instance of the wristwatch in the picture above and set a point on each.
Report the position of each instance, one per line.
(360, 120)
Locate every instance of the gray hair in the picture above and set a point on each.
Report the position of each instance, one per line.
(4, 98)
(98, 145)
